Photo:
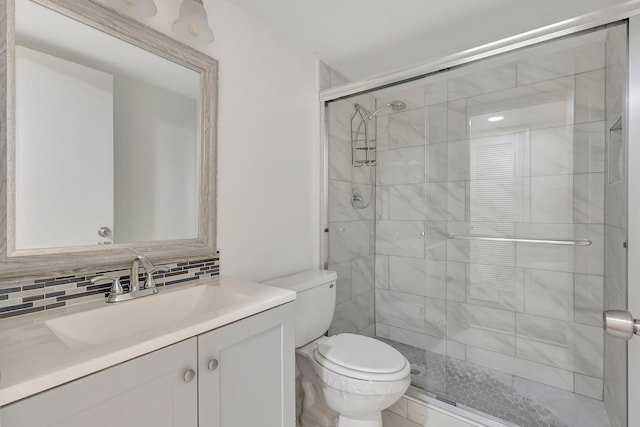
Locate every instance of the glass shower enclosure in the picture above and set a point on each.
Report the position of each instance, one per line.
(477, 222)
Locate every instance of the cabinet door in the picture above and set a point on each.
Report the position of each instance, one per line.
(253, 382)
(147, 391)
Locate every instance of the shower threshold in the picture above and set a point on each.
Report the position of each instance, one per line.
(499, 396)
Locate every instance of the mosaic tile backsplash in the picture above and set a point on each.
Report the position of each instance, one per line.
(45, 294)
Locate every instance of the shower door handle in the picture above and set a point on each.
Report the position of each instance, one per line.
(620, 323)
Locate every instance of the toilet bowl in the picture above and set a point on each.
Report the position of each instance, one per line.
(345, 380)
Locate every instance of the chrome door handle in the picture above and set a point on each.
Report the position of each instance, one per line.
(620, 323)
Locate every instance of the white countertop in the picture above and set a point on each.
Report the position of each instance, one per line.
(34, 359)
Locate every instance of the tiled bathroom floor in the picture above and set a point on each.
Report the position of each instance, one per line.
(513, 399)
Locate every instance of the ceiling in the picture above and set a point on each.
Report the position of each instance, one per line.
(363, 38)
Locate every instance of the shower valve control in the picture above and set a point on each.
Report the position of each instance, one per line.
(620, 323)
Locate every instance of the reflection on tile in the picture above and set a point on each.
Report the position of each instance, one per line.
(589, 386)
(436, 317)
(552, 151)
(482, 327)
(588, 147)
(571, 346)
(400, 310)
(549, 294)
(552, 199)
(417, 276)
(491, 200)
(456, 281)
(343, 284)
(589, 101)
(457, 200)
(435, 243)
(407, 128)
(457, 120)
(436, 201)
(588, 198)
(436, 123)
(348, 240)
(494, 286)
(401, 166)
(492, 253)
(437, 162)
(458, 161)
(467, 82)
(362, 273)
(402, 238)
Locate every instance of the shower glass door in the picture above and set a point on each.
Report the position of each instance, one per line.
(489, 233)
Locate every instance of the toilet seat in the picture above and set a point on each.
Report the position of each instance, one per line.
(362, 358)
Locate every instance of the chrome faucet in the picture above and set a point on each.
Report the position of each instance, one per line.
(117, 293)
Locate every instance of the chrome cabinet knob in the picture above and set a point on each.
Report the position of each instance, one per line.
(212, 365)
(620, 323)
(189, 375)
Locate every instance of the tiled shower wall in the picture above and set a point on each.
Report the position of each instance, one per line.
(615, 224)
(529, 310)
(351, 230)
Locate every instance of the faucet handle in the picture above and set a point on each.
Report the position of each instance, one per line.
(150, 282)
(116, 286)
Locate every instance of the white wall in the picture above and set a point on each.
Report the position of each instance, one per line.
(268, 145)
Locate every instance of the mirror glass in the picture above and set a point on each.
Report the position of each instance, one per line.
(106, 138)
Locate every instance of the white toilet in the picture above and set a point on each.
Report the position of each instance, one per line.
(346, 380)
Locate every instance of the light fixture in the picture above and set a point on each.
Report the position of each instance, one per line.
(192, 26)
(134, 8)
(495, 118)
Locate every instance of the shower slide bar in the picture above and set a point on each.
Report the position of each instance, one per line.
(563, 242)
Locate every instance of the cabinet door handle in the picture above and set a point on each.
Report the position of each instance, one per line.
(212, 365)
(189, 375)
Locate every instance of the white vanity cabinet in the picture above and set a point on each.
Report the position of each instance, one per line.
(147, 391)
(238, 375)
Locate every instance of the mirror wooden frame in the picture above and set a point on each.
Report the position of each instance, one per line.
(56, 262)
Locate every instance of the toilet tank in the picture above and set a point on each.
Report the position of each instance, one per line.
(315, 302)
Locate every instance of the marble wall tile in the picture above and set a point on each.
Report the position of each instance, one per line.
(435, 89)
(348, 240)
(399, 408)
(457, 350)
(382, 271)
(382, 132)
(615, 258)
(570, 346)
(368, 194)
(482, 327)
(436, 123)
(563, 62)
(352, 316)
(418, 276)
(457, 124)
(473, 80)
(435, 242)
(552, 151)
(615, 374)
(588, 386)
(401, 310)
(401, 166)
(588, 147)
(552, 199)
(401, 238)
(458, 165)
(435, 317)
(456, 281)
(457, 201)
(539, 372)
(578, 259)
(412, 338)
(615, 198)
(343, 283)
(549, 294)
(436, 201)
(382, 330)
(616, 68)
(340, 208)
(340, 167)
(362, 275)
(495, 286)
(588, 198)
(409, 93)
(437, 162)
(407, 128)
(589, 98)
(340, 113)
(407, 201)
(458, 250)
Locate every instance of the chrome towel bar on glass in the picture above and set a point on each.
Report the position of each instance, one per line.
(564, 242)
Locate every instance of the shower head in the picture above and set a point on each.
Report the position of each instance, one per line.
(395, 106)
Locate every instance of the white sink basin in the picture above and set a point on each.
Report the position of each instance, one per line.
(116, 321)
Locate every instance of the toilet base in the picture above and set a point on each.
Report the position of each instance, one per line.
(371, 420)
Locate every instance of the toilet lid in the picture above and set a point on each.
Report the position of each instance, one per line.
(361, 357)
